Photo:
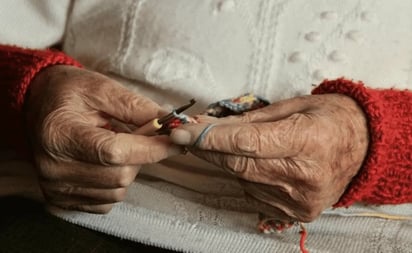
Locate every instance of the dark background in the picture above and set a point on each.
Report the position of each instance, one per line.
(26, 227)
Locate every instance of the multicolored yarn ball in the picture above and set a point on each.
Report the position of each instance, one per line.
(235, 106)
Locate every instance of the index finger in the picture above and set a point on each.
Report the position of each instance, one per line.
(283, 138)
(123, 104)
(98, 145)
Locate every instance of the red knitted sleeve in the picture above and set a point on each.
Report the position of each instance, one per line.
(17, 68)
(386, 174)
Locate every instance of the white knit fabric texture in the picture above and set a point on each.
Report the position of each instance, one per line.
(33, 24)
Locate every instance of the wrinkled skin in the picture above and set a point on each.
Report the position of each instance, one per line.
(296, 156)
(81, 165)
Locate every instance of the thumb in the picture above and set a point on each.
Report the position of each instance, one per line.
(190, 134)
(259, 140)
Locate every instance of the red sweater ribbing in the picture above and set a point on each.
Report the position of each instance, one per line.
(386, 174)
(385, 177)
(17, 69)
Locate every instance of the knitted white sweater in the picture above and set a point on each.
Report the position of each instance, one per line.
(213, 49)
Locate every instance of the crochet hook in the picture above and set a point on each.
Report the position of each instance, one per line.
(151, 127)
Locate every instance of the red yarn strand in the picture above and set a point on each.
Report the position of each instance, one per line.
(303, 235)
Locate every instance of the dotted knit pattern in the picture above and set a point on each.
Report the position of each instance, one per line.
(17, 68)
(386, 175)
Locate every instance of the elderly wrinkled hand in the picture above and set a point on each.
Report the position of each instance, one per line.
(295, 156)
(81, 164)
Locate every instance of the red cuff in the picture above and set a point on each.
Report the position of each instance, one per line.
(18, 67)
(386, 175)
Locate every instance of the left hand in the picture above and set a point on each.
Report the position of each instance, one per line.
(81, 164)
(297, 156)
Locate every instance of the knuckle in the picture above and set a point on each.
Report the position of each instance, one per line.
(310, 208)
(67, 190)
(310, 213)
(312, 175)
(246, 117)
(247, 143)
(119, 194)
(46, 171)
(315, 182)
(103, 209)
(110, 154)
(152, 155)
(125, 177)
(237, 164)
(123, 181)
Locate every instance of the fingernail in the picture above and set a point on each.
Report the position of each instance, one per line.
(181, 137)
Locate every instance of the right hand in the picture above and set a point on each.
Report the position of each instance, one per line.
(297, 156)
(81, 165)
